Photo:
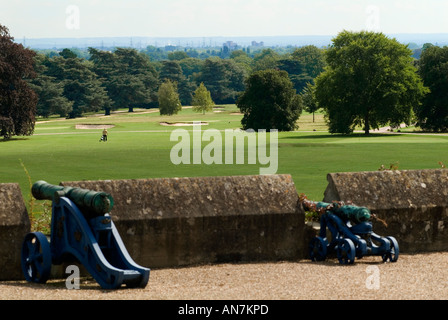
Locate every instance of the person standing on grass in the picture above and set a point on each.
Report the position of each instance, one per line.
(104, 134)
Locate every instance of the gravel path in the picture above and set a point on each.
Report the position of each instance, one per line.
(413, 277)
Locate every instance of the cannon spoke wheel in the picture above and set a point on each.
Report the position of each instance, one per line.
(36, 257)
(318, 249)
(393, 253)
(346, 251)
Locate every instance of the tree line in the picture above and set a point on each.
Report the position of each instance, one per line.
(362, 79)
(68, 85)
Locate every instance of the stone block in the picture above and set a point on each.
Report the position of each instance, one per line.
(185, 221)
(14, 225)
(414, 203)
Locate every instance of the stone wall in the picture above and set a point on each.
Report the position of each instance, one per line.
(14, 225)
(184, 221)
(414, 203)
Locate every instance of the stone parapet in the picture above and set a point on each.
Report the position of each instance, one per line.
(14, 225)
(185, 221)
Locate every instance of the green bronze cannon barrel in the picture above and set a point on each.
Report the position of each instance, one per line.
(91, 203)
(346, 212)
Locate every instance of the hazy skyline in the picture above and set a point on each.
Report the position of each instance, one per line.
(210, 18)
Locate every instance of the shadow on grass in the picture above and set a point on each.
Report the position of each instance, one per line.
(14, 139)
(341, 136)
(310, 145)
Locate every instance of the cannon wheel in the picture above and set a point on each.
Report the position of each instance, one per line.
(318, 249)
(346, 251)
(393, 253)
(36, 257)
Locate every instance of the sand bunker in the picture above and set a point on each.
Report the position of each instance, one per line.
(182, 124)
(94, 126)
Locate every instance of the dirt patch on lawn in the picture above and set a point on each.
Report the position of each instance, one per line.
(94, 126)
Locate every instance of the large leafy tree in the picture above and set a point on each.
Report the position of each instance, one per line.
(17, 100)
(128, 76)
(433, 68)
(105, 65)
(135, 82)
(370, 81)
(270, 102)
(49, 90)
(81, 84)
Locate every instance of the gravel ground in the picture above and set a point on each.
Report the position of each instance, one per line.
(412, 277)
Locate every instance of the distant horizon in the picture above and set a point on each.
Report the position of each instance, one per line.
(212, 41)
(230, 36)
(42, 19)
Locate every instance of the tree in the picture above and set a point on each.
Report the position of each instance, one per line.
(105, 65)
(303, 65)
(266, 59)
(270, 102)
(81, 84)
(135, 80)
(312, 60)
(433, 68)
(312, 63)
(171, 70)
(128, 76)
(191, 66)
(49, 90)
(309, 100)
(370, 81)
(177, 55)
(224, 78)
(202, 100)
(68, 54)
(17, 100)
(155, 53)
(169, 102)
(242, 59)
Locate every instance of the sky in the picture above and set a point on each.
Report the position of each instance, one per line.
(210, 18)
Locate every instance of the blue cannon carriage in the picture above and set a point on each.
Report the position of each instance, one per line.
(81, 231)
(347, 231)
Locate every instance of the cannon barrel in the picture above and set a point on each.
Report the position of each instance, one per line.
(346, 212)
(91, 203)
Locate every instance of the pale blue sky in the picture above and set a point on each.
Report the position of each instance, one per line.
(208, 18)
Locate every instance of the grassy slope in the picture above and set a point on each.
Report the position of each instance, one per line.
(139, 147)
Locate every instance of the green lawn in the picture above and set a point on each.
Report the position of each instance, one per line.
(139, 147)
